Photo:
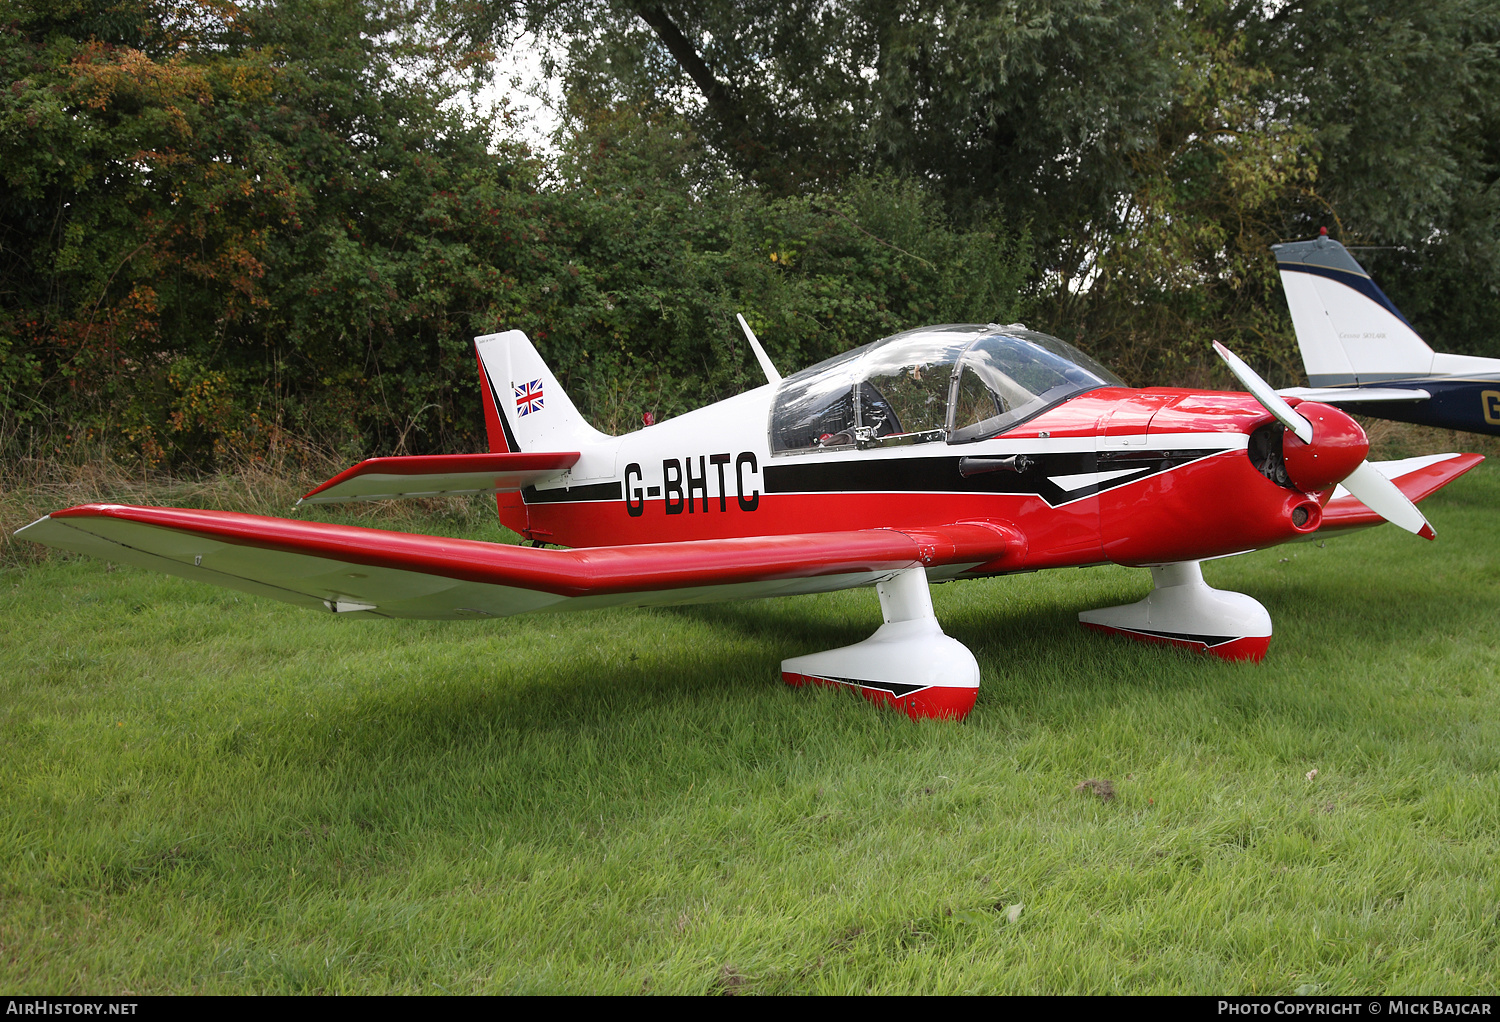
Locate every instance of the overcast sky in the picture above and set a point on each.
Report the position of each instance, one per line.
(518, 81)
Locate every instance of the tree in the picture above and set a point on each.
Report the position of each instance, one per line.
(1029, 108)
(1107, 126)
(226, 226)
(222, 222)
(1402, 99)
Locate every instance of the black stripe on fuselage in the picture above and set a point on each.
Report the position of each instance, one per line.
(932, 475)
(941, 474)
(573, 494)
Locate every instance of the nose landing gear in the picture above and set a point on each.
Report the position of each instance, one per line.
(1186, 611)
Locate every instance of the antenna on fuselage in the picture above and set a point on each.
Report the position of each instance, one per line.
(760, 353)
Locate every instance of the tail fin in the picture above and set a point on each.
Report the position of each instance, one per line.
(530, 411)
(1348, 330)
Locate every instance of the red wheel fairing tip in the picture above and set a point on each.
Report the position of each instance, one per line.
(938, 702)
(1250, 647)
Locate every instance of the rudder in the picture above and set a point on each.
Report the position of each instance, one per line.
(532, 413)
(514, 379)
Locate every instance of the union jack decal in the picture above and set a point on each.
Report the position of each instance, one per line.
(529, 398)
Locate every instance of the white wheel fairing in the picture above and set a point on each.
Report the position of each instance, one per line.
(1183, 610)
(908, 663)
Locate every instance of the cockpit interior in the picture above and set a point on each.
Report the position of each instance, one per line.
(957, 384)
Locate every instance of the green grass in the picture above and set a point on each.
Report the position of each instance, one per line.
(205, 792)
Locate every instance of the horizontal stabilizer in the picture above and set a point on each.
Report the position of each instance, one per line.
(440, 475)
(1340, 395)
(1417, 478)
(352, 570)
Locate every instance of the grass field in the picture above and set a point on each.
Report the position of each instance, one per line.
(205, 792)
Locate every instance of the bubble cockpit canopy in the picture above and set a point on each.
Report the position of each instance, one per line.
(955, 383)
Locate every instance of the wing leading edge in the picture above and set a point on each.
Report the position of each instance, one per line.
(348, 569)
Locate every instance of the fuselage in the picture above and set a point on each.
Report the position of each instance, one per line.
(1110, 475)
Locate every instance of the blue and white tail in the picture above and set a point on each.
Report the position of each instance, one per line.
(535, 413)
(1348, 330)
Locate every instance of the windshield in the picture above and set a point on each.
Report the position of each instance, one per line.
(954, 383)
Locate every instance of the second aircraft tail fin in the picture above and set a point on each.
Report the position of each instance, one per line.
(1347, 328)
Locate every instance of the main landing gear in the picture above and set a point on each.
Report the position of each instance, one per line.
(911, 665)
(1185, 611)
(908, 663)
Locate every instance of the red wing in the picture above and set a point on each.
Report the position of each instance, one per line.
(1418, 478)
(438, 475)
(396, 574)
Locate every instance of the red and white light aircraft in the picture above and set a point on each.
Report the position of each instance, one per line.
(942, 453)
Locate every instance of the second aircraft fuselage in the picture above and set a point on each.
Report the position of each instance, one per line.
(1470, 404)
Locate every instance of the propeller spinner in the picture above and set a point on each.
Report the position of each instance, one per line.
(1323, 446)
